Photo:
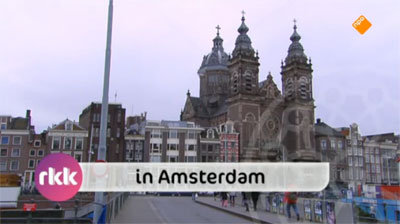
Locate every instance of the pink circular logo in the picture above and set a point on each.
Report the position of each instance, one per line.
(58, 177)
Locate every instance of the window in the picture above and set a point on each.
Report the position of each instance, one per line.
(155, 147)
(15, 153)
(190, 147)
(67, 143)
(323, 144)
(118, 132)
(96, 132)
(37, 143)
(340, 144)
(173, 134)
(367, 158)
(3, 126)
(373, 168)
(3, 165)
(56, 142)
(78, 157)
(378, 169)
(190, 159)
(372, 158)
(333, 144)
(376, 150)
(350, 161)
(360, 151)
(378, 178)
(31, 163)
(3, 152)
(37, 162)
(68, 126)
(361, 174)
(78, 143)
(119, 116)
(5, 140)
(173, 159)
(172, 147)
(17, 140)
(32, 152)
(361, 161)
(155, 134)
(108, 118)
(233, 145)
(40, 153)
(191, 135)
(350, 173)
(108, 132)
(210, 148)
(349, 151)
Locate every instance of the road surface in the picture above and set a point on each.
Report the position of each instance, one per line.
(149, 209)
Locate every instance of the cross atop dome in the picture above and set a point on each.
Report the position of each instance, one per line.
(218, 28)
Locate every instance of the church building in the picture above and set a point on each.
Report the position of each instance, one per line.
(272, 125)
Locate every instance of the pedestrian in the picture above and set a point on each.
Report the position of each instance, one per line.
(254, 197)
(291, 201)
(232, 196)
(224, 198)
(215, 196)
(245, 201)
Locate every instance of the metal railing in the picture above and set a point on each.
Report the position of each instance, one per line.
(71, 211)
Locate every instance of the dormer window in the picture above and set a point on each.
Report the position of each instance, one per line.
(68, 126)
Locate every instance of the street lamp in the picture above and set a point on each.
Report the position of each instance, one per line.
(102, 150)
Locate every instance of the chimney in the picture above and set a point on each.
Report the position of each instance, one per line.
(28, 113)
(318, 120)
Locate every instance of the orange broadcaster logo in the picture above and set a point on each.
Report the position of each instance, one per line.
(362, 24)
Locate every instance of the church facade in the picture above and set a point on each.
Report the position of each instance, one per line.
(272, 125)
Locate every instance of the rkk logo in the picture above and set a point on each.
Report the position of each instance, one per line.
(58, 177)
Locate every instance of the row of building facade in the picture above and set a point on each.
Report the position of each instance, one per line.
(354, 159)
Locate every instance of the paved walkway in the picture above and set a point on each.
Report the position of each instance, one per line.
(260, 216)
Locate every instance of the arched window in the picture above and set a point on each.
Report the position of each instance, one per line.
(248, 77)
(303, 83)
(235, 81)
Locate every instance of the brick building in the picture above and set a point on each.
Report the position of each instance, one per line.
(90, 120)
(331, 147)
(70, 138)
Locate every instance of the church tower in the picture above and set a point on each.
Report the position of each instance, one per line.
(243, 101)
(214, 76)
(298, 116)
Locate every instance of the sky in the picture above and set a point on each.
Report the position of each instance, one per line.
(52, 55)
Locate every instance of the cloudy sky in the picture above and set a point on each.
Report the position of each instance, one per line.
(52, 55)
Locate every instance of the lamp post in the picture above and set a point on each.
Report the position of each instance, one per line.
(102, 150)
(226, 143)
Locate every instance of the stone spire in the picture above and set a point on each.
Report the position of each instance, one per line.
(296, 50)
(243, 43)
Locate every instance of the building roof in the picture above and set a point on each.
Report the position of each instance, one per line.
(382, 137)
(296, 50)
(19, 123)
(217, 59)
(75, 126)
(322, 129)
(198, 107)
(243, 42)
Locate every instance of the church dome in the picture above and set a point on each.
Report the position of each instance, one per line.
(217, 59)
